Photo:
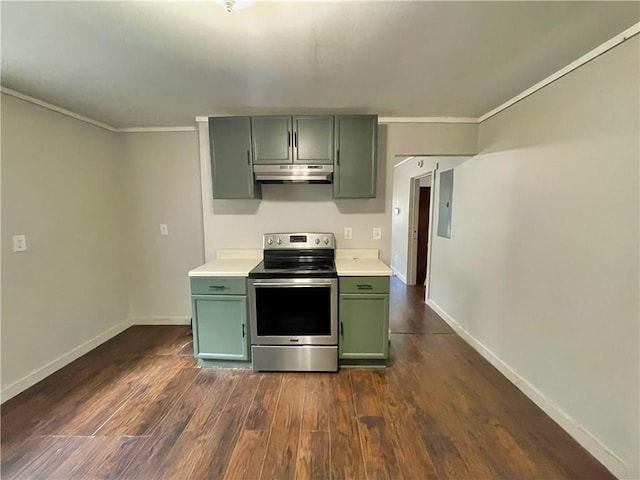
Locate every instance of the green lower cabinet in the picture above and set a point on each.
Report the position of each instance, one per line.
(364, 326)
(220, 327)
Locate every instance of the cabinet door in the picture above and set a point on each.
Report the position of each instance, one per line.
(313, 140)
(364, 326)
(220, 327)
(355, 156)
(272, 139)
(231, 169)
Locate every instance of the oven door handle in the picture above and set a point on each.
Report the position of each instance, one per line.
(274, 284)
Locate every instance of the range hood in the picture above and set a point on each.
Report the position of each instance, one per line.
(291, 173)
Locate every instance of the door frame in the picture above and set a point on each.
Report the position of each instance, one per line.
(422, 231)
(412, 257)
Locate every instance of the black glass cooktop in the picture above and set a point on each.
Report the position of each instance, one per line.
(294, 270)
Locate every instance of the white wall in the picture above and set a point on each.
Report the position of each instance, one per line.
(162, 185)
(241, 223)
(425, 181)
(404, 174)
(290, 208)
(541, 271)
(61, 187)
(90, 203)
(408, 139)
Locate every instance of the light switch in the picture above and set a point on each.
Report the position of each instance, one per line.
(377, 233)
(164, 229)
(19, 243)
(348, 233)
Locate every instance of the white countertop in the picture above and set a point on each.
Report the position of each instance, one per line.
(357, 253)
(365, 267)
(359, 262)
(229, 263)
(238, 267)
(238, 263)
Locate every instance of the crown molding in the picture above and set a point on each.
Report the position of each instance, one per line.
(55, 108)
(596, 52)
(201, 119)
(82, 118)
(427, 120)
(586, 58)
(156, 129)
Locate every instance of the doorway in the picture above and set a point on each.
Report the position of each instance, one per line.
(420, 215)
(424, 205)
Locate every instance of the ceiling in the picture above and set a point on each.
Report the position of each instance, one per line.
(161, 63)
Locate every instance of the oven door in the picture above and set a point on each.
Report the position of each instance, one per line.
(294, 311)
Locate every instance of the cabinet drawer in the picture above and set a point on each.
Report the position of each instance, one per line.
(218, 286)
(364, 284)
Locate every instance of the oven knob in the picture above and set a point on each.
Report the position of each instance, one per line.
(317, 241)
(269, 241)
(279, 241)
(326, 240)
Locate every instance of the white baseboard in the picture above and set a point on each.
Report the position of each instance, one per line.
(161, 321)
(55, 365)
(399, 275)
(585, 438)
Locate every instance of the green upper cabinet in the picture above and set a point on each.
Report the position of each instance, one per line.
(272, 139)
(231, 167)
(313, 140)
(348, 142)
(356, 147)
(304, 140)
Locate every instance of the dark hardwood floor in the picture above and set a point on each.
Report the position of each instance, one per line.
(137, 407)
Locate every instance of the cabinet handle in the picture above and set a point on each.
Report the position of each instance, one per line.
(341, 329)
(248, 157)
(288, 139)
(243, 333)
(337, 157)
(365, 287)
(295, 139)
(217, 287)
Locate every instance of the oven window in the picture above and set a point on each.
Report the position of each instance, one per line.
(293, 311)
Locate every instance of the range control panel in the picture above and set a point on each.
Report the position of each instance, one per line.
(273, 241)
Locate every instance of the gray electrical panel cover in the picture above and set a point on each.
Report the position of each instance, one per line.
(444, 204)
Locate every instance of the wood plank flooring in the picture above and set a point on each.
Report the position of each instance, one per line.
(138, 408)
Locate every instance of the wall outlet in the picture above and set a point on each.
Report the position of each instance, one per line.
(348, 233)
(19, 243)
(164, 229)
(377, 233)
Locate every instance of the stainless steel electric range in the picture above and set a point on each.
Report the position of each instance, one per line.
(293, 304)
